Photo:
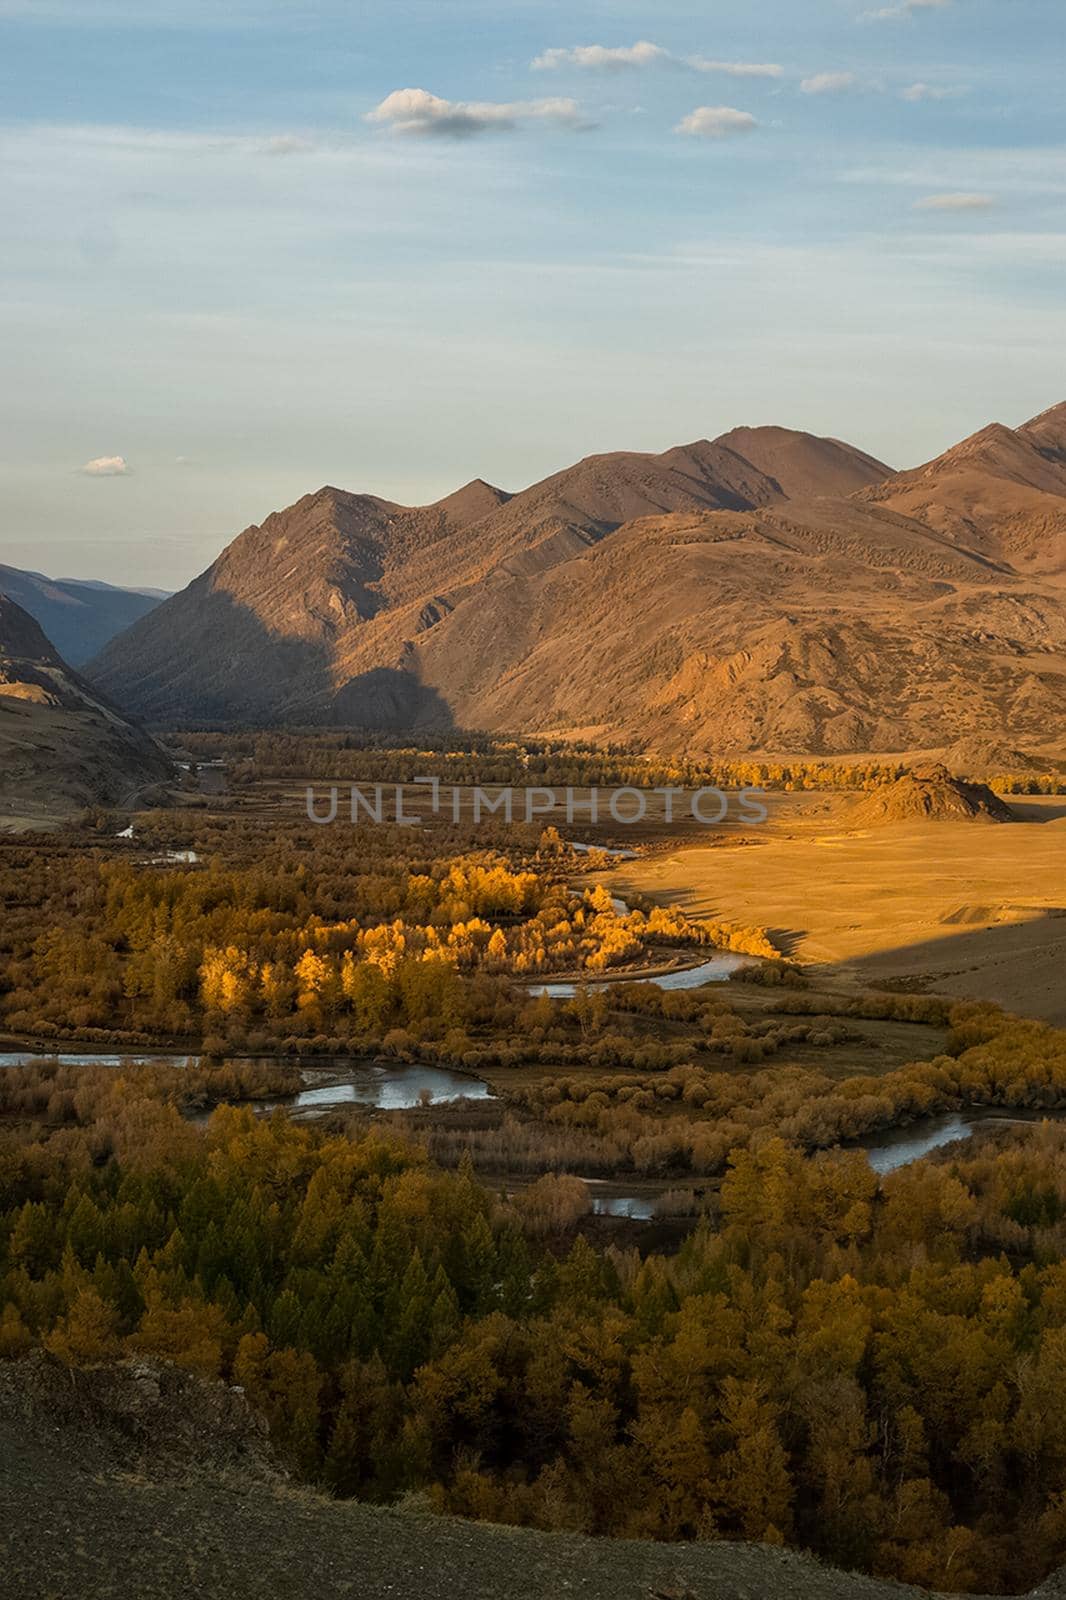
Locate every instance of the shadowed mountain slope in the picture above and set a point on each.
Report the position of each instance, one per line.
(61, 743)
(78, 617)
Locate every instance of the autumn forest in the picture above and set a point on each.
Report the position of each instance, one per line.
(423, 1304)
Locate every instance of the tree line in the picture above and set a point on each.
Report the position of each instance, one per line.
(370, 756)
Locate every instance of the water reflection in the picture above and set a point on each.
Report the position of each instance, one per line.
(29, 1058)
(393, 1089)
(638, 1208)
(716, 970)
(380, 1088)
(898, 1147)
(887, 1152)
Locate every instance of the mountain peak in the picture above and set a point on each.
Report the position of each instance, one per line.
(1055, 414)
(1047, 432)
(76, 615)
(992, 434)
(997, 451)
(804, 465)
(473, 501)
(1000, 492)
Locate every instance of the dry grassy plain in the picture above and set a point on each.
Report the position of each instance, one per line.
(967, 909)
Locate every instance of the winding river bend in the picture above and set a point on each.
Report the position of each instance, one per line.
(404, 1087)
(361, 1083)
(716, 970)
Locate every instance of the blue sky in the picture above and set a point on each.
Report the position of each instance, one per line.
(238, 262)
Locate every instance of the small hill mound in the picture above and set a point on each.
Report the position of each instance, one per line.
(930, 794)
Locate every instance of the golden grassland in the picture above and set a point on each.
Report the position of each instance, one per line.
(958, 908)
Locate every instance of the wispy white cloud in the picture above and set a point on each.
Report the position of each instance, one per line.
(617, 58)
(134, 140)
(829, 83)
(905, 8)
(736, 69)
(716, 122)
(602, 57)
(106, 467)
(416, 111)
(916, 92)
(955, 202)
(1036, 171)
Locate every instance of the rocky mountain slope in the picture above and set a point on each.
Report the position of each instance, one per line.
(76, 616)
(1001, 494)
(140, 1479)
(764, 591)
(61, 744)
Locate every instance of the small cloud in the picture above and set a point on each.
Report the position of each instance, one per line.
(955, 202)
(608, 58)
(736, 69)
(286, 144)
(183, 461)
(106, 467)
(416, 111)
(602, 57)
(716, 122)
(916, 92)
(829, 83)
(906, 8)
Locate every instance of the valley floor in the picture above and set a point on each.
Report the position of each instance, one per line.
(964, 909)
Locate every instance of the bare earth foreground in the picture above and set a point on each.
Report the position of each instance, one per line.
(141, 1481)
(969, 909)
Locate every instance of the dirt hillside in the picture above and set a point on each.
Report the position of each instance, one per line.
(143, 1481)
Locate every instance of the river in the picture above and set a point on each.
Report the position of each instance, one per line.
(716, 970)
(637, 1207)
(362, 1083)
(392, 1089)
(898, 1147)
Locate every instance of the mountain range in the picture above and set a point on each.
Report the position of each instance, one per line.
(78, 616)
(62, 745)
(764, 591)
